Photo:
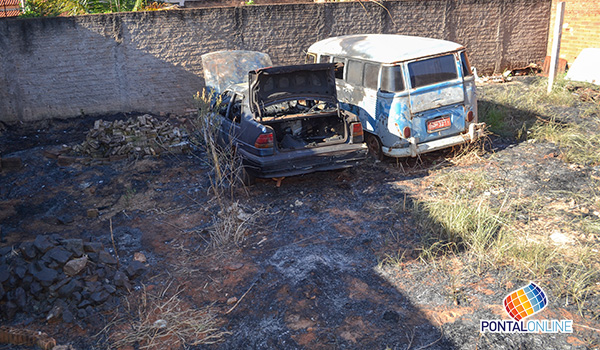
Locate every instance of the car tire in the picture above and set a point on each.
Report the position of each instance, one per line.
(374, 146)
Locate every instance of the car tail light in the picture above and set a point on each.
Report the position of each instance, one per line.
(406, 132)
(357, 130)
(470, 116)
(264, 141)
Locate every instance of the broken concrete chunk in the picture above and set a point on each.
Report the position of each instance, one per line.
(139, 256)
(92, 247)
(121, 280)
(28, 250)
(64, 219)
(135, 269)
(68, 289)
(20, 271)
(43, 243)
(75, 266)
(20, 297)
(58, 254)
(100, 296)
(104, 257)
(234, 266)
(110, 289)
(74, 245)
(4, 273)
(67, 316)
(45, 276)
(54, 313)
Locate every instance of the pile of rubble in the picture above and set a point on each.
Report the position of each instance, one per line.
(135, 138)
(585, 93)
(68, 280)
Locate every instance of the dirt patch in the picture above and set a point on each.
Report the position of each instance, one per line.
(309, 271)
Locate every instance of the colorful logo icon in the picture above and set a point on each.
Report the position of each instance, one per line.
(525, 302)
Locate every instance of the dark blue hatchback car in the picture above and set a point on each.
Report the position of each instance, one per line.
(283, 121)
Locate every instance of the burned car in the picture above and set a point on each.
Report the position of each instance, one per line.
(282, 121)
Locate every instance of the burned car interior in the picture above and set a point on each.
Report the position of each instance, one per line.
(304, 123)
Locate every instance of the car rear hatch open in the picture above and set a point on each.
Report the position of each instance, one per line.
(299, 82)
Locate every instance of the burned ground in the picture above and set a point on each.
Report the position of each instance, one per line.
(313, 269)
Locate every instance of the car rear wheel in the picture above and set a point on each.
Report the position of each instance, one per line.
(374, 146)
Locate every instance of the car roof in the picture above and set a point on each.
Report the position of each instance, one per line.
(384, 48)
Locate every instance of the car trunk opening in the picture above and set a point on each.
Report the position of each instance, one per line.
(299, 124)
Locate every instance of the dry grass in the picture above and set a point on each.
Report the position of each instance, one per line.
(469, 215)
(225, 163)
(578, 143)
(163, 321)
(510, 111)
(230, 225)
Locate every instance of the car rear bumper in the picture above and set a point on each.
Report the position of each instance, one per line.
(297, 162)
(476, 131)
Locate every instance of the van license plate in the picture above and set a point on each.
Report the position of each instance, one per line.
(439, 124)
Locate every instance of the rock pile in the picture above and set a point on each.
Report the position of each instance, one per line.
(135, 137)
(69, 280)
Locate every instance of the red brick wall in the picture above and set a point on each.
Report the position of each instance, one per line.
(581, 27)
(10, 8)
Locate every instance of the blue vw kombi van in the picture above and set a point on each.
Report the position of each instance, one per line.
(413, 95)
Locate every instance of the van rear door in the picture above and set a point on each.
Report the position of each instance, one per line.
(437, 97)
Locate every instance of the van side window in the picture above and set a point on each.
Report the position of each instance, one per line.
(339, 69)
(466, 66)
(324, 59)
(371, 76)
(355, 72)
(432, 70)
(391, 79)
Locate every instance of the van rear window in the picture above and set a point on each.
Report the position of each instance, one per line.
(432, 71)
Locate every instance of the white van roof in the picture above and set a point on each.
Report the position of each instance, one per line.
(384, 48)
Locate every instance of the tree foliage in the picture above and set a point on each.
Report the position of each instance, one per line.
(51, 8)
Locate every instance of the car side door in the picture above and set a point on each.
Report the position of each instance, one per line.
(230, 113)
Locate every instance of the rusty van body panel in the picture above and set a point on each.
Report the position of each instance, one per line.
(413, 95)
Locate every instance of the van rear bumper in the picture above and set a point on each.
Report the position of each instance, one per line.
(476, 130)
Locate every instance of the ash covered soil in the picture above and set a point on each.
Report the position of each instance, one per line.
(307, 273)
